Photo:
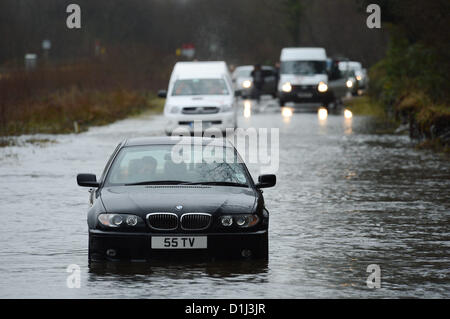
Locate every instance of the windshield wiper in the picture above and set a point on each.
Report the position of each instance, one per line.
(219, 184)
(168, 182)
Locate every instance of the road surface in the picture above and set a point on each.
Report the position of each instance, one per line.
(346, 198)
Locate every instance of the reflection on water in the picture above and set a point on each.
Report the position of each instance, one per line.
(345, 198)
(247, 109)
(220, 269)
(322, 113)
(348, 114)
(286, 113)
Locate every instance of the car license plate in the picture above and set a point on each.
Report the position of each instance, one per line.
(304, 94)
(186, 242)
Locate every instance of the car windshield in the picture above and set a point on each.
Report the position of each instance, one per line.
(172, 164)
(303, 67)
(200, 87)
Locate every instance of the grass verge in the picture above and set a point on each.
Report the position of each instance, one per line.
(75, 111)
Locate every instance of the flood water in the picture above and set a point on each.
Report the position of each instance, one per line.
(346, 198)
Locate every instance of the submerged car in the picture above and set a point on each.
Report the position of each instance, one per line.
(176, 196)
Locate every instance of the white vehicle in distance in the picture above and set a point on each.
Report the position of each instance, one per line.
(304, 77)
(356, 67)
(200, 91)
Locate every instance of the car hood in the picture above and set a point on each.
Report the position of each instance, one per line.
(141, 200)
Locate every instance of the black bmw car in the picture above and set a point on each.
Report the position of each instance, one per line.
(173, 197)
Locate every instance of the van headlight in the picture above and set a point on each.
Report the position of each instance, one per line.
(287, 87)
(175, 109)
(246, 84)
(349, 84)
(322, 87)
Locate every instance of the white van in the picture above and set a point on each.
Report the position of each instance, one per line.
(200, 91)
(303, 76)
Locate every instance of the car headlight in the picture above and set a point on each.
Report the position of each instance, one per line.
(243, 221)
(226, 108)
(287, 87)
(358, 77)
(322, 87)
(226, 221)
(116, 220)
(349, 84)
(246, 84)
(246, 221)
(175, 109)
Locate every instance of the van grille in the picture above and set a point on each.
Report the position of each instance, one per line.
(195, 221)
(201, 110)
(162, 221)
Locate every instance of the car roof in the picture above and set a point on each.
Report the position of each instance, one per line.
(172, 140)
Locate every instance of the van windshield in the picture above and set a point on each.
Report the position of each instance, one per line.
(200, 87)
(303, 67)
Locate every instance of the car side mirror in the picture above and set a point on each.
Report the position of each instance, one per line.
(162, 94)
(87, 180)
(266, 181)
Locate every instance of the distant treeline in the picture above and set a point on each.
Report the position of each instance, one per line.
(239, 31)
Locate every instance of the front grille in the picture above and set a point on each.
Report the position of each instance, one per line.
(203, 123)
(201, 110)
(162, 221)
(195, 221)
(304, 88)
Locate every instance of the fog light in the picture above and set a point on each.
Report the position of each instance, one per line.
(111, 253)
(246, 253)
(227, 221)
(132, 220)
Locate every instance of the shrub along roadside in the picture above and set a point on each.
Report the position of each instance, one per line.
(70, 110)
(412, 84)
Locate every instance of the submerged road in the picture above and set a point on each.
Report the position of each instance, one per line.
(346, 198)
